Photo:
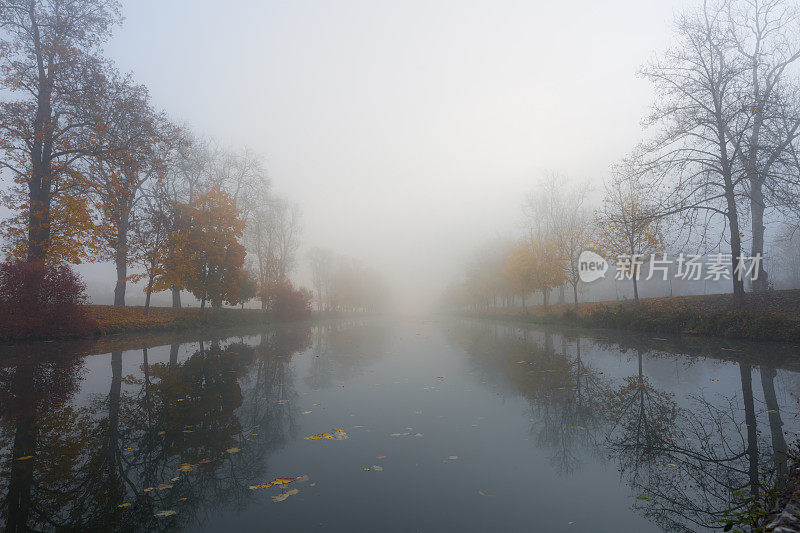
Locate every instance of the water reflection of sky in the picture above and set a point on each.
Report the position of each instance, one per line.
(483, 427)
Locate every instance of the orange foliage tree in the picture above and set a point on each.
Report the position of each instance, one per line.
(520, 270)
(212, 255)
(550, 267)
(51, 69)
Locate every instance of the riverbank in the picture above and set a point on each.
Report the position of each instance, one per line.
(773, 316)
(108, 320)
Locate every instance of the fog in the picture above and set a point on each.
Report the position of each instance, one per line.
(408, 132)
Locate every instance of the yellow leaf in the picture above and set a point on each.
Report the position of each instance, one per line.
(281, 497)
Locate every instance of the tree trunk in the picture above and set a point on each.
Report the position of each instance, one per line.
(40, 184)
(779, 449)
(121, 260)
(736, 252)
(750, 420)
(176, 297)
(757, 249)
(575, 294)
(149, 292)
(635, 288)
(545, 298)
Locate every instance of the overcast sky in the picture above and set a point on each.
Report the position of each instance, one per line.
(408, 132)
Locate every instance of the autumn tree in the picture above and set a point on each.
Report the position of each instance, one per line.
(153, 233)
(52, 71)
(549, 271)
(628, 227)
(556, 214)
(520, 270)
(133, 146)
(213, 254)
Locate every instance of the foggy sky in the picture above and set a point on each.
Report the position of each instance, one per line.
(408, 132)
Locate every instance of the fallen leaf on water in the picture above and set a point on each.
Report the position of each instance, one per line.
(306, 412)
(772, 410)
(377, 468)
(366, 468)
(164, 486)
(127, 449)
(301, 479)
(276, 481)
(320, 436)
(176, 478)
(166, 513)
(283, 402)
(233, 450)
(400, 434)
(204, 461)
(578, 427)
(162, 432)
(381, 457)
(485, 494)
(149, 489)
(284, 495)
(644, 497)
(24, 458)
(714, 379)
(185, 468)
(182, 499)
(453, 457)
(126, 504)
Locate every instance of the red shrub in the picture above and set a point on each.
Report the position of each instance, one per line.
(289, 303)
(37, 300)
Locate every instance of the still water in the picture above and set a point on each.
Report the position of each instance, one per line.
(438, 425)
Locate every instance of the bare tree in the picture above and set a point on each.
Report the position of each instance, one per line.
(766, 35)
(693, 158)
(558, 209)
(321, 261)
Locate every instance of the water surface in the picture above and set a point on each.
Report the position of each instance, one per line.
(451, 425)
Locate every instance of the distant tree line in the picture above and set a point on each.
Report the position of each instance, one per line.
(718, 169)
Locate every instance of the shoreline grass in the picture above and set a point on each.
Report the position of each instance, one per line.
(769, 316)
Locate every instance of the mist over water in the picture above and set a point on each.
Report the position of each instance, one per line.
(408, 133)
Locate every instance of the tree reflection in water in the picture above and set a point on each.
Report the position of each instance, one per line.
(89, 460)
(686, 460)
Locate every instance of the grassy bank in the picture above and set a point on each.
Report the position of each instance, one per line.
(109, 319)
(765, 316)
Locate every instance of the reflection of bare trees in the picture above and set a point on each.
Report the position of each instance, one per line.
(565, 396)
(115, 462)
(686, 461)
